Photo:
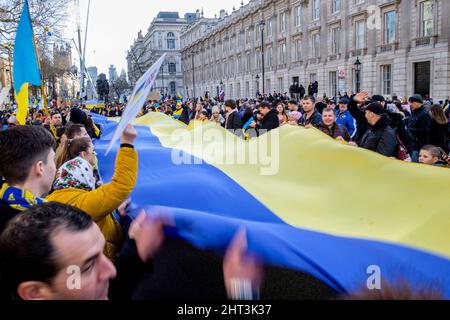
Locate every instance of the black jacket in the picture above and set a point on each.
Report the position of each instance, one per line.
(6, 214)
(234, 121)
(380, 138)
(439, 135)
(184, 116)
(361, 121)
(396, 122)
(315, 120)
(269, 122)
(419, 124)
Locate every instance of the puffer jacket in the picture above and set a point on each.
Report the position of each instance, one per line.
(102, 202)
(380, 138)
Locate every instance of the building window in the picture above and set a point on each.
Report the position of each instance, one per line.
(160, 43)
(336, 6)
(316, 9)
(360, 34)
(258, 59)
(316, 45)
(283, 22)
(336, 40)
(280, 85)
(298, 50)
(268, 86)
(270, 28)
(359, 1)
(249, 36)
(170, 41)
(270, 57)
(333, 84)
(390, 26)
(427, 18)
(386, 79)
(172, 67)
(249, 63)
(283, 53)
(298, 16)
(173, 88)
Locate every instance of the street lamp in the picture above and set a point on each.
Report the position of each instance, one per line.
(257, 84)
(358, 74)
(262, 25)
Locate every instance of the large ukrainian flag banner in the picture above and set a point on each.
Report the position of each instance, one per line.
(26, 66)
(334, 211)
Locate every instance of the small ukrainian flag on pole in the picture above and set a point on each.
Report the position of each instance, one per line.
(26, 65)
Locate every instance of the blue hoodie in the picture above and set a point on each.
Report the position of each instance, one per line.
(345, 119)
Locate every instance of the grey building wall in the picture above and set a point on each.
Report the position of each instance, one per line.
(215, 62)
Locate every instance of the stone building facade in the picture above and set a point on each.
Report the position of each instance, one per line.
(403, 47)
(163, 36)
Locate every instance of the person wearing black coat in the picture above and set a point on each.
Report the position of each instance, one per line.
(419, 124)
(359, 115)
(302, 92)
(233, 119)
(379, 137)
(270, 120)
(396, 122)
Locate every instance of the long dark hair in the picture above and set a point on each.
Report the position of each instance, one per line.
(438, 114)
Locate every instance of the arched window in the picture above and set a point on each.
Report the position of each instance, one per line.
(171, 41)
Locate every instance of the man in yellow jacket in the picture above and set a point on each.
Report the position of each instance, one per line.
(73, 188)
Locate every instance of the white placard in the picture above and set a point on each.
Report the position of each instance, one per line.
(138, 98)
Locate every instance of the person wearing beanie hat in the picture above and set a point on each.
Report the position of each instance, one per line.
(379, 98)
(419, 124)
(416, 98)
(379, 137)
(78, 116)
(376, 108)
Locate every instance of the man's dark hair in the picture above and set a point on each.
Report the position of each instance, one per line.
(20, 148)
(265, 105)
(311, 98)
(73, 129)
(26, 249)
(231, 104)
(293, 102)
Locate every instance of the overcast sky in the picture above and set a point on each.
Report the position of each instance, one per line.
(114, 25)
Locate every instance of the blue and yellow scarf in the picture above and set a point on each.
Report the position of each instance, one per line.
(19, 199)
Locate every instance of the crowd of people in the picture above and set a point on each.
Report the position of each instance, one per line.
(56, 211)
(399, 128)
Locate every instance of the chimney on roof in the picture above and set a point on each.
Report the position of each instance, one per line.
(222, 14)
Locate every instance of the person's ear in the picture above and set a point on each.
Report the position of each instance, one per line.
(34, 290)
(38, 169)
